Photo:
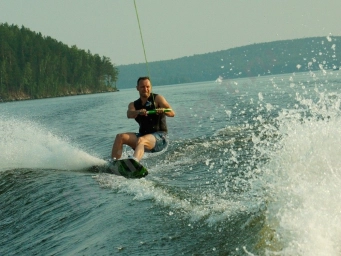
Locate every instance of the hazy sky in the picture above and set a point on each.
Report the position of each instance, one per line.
(172, 28)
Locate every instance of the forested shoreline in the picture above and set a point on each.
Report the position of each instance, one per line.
(33, 66)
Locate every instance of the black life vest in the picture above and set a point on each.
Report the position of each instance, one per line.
(150, 123)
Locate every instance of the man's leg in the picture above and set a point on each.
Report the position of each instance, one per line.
(121, 139)
(147, 141)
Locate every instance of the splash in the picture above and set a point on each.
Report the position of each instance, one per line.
(24, 144)
(303, 178)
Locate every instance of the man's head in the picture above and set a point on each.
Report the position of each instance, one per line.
(144, 86)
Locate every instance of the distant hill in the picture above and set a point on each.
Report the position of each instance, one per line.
(277, 57)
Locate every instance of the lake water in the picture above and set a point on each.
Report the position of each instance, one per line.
(253, 168)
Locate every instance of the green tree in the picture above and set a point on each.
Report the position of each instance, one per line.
(35, 66)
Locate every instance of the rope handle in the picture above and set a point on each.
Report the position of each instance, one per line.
(154, 111)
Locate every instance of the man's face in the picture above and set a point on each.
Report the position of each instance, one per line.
(144, 88)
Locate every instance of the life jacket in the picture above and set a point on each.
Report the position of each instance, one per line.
(150, 123)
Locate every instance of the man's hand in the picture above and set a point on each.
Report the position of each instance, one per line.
(160, 111)
(142, 112)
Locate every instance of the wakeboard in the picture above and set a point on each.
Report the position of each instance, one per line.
(128, 168)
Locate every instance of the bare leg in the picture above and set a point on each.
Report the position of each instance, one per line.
(147, 141)
(121, 139)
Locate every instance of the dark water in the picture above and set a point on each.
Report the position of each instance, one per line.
(252, 169)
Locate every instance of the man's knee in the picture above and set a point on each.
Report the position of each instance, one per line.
(146, 142)
(119, 137)
(125, 139)
(141, 140)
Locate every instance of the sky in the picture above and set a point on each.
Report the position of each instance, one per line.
(171, 28)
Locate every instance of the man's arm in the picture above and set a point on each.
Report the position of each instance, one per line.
(132, 112)
(162, 103)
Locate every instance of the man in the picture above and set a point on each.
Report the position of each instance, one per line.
(152, 134)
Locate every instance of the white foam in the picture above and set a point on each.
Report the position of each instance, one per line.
(24, 144)
(210, 207)
(303, 178)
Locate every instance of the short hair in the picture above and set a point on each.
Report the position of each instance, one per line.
(142, 78)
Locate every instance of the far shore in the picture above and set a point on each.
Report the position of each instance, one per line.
(23, 98)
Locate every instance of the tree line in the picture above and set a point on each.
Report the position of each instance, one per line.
(35, 66)
(279, 57)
